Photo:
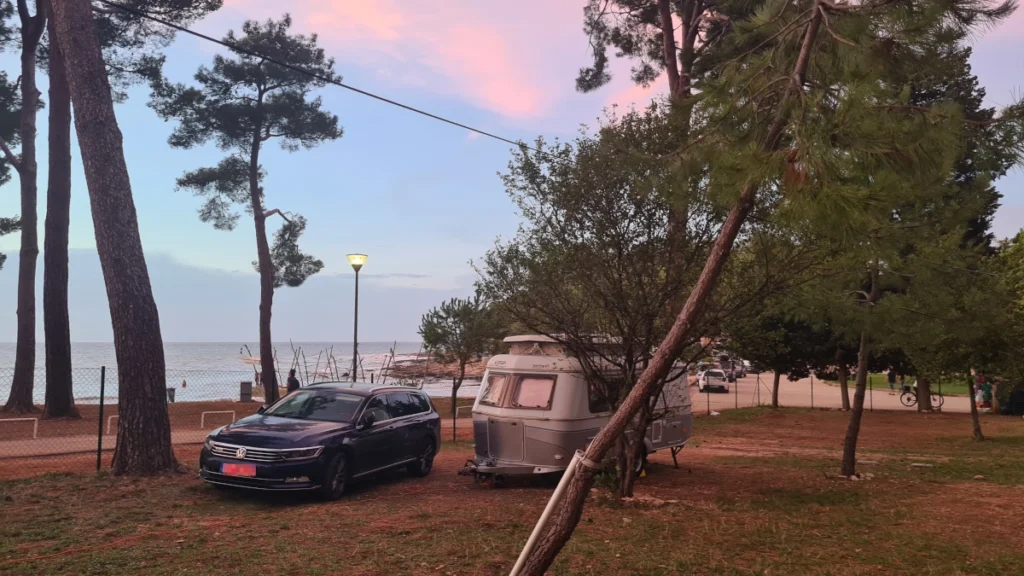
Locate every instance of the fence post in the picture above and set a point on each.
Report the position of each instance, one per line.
(871, 395)
(99, 436)
(737, 394)
(812, 390)
(707, 392)
(758, 390)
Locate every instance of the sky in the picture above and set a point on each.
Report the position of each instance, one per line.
(421, 198)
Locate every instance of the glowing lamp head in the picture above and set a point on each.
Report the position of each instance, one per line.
(357, 261)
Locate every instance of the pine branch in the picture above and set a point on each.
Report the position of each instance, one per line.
(828, 27)
(10, 155)
(277, 211)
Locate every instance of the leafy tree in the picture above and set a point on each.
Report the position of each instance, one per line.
(595, 205)
(778, 342)
(458, 332)
(800, 109)
(241, 103)
(144, 432)
(132, 47)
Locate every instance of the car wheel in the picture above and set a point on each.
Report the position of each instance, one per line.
(424, 462)
(335, 478)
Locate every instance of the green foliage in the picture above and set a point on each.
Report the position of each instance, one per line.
(133, 46)
(223, 185)
(291, 266)
(242, 99)
(460, 331)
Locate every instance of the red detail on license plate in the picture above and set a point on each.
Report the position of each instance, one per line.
(238, 469)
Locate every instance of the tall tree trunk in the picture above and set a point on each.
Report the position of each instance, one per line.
(20, 400)
(775, 390)
(849, 467)
(924, 395)
(844, 384)
(566, 514)
(60, 397)
(143, 429)
(267, 374)
(975, 418)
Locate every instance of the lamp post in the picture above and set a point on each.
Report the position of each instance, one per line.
(357, 261)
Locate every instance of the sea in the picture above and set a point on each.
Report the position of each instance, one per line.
(215, 369)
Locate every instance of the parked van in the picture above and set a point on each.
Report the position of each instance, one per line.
(535, 409)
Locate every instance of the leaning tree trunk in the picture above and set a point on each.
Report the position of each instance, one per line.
(20, 400)
(143, 430)
(775, 390)
(849, 467)
(975, 417)
(60, 398)
(924, 395)
(566, 514)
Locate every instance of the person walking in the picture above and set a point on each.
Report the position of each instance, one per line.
(903, 384)
(892, 382)
(293, 382)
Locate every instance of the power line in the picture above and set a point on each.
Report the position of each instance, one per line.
(319, 77)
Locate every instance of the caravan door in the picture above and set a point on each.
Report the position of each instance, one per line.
(505, 439)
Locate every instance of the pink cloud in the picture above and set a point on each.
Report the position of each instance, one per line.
(496, 60)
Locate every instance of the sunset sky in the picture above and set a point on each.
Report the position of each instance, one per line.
(420, 197)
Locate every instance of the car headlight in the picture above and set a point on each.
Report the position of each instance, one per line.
(303, 453)
(209, 443)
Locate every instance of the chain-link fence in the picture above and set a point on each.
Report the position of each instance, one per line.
(201, 400)
(755, 390)
(198, 401)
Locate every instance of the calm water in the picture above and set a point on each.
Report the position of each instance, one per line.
(214, 368)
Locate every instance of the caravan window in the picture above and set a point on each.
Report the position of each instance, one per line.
(534, 392)
(494, 389)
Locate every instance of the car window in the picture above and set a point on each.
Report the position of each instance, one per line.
(317, 405)
(403, 404)
(534, 392)
(494, 389)
(422, 402)
(378, 407)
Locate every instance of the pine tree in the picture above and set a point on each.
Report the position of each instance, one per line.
(243, 102)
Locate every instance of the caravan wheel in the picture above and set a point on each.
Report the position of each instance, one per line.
(641, 462)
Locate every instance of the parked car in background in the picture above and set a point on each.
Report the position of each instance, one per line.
(321, 437)
(740, 368)
(714, 379)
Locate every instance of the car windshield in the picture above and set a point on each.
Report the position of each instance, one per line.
(325, 405)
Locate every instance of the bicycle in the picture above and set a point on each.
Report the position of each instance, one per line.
(909, 397)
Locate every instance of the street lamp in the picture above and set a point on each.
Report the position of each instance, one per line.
(357, 261)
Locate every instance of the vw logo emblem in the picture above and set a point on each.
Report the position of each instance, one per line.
(240, 453)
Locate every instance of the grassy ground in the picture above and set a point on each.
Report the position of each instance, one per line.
(753, 496)
(881, 382)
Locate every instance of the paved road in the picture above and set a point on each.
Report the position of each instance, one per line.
(746, 392)
(63, 445)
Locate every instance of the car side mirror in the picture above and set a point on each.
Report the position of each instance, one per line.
(365, 422)
(261, 409)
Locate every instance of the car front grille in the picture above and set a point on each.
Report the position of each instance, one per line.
(246, 453)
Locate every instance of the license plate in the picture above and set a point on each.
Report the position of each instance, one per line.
(238, 469)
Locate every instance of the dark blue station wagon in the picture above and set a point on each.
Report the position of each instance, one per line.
(323, 436)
